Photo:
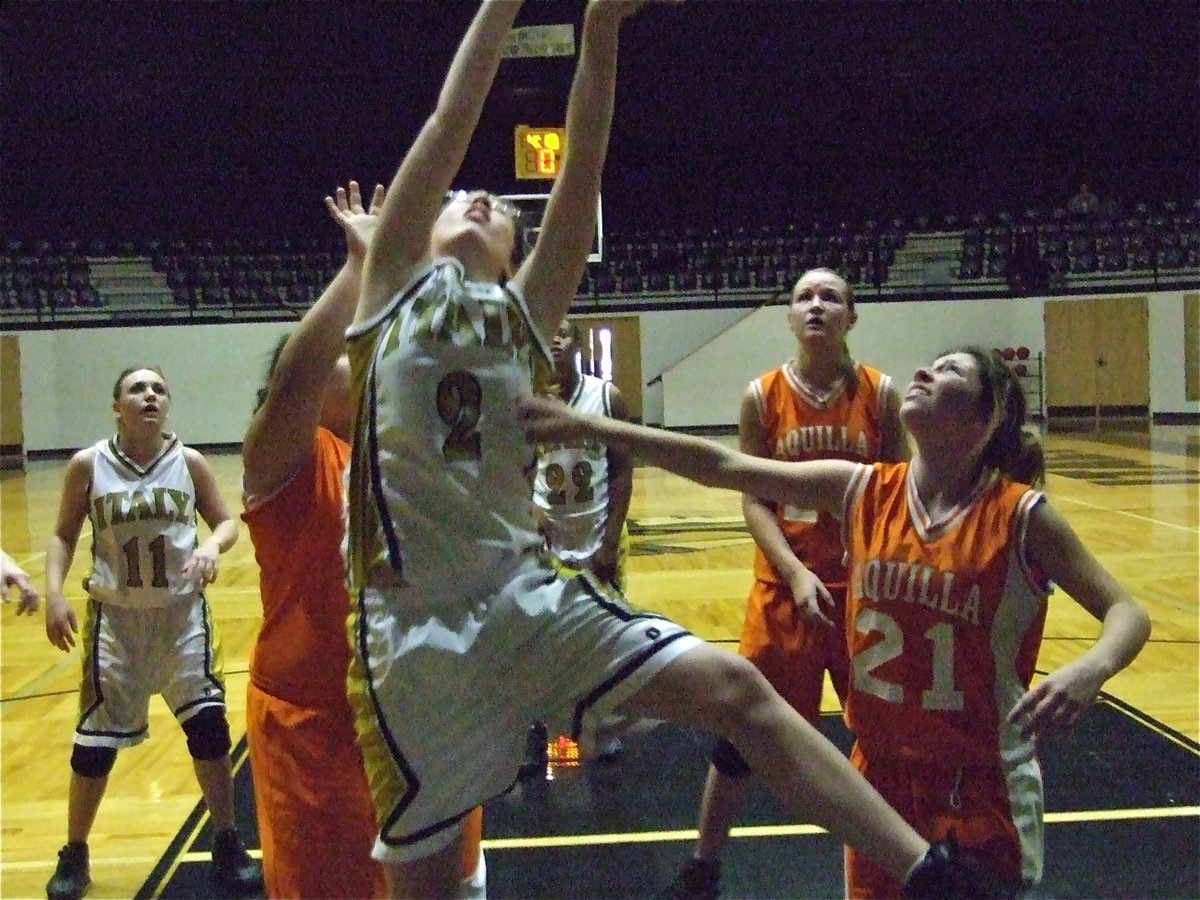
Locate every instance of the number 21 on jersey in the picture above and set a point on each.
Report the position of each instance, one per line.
(940, 695)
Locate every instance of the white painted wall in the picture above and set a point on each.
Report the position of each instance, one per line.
(214, 372)
(706, 358)
(1167, 388)
(705, 388)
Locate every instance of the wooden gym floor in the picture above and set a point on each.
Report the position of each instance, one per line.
(1123, 792)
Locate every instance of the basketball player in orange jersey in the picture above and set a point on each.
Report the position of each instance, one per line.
(464, 630)
(952, 558)
(314, 809)
(821, 405)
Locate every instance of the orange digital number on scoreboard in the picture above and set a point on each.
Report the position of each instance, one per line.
(538, 151)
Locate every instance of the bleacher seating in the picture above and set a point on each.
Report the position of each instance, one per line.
(974, 254)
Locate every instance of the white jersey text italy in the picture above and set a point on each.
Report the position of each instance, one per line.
(143, 526)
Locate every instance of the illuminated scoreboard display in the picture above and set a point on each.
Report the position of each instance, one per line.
(538, 151)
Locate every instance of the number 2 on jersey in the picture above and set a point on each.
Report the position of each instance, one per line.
(942, 695)
(459, 399)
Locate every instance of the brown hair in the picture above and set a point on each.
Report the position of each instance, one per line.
(1014, 447)
(125, 374)
(265, 390)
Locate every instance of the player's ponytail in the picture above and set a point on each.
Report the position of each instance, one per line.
(1014, 448)
(265, 390)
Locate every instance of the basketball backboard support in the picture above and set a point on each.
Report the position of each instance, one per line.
(533, 206)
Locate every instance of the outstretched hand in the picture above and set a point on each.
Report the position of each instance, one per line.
(61, 624)
(359, 224)
(546, 419)
(13, 577)
(203, 566)
(814, 603)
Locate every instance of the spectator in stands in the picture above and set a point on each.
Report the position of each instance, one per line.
(1084, 203)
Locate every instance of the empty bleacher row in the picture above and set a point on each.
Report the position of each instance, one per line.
(1055, 246)
(979, 256)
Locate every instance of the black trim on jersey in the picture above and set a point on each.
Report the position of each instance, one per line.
(539, 340)
(426, 832)
(95, 673)
(206, 618)
(577, 393)
(119, 455)
(625, 671)
(395, 560)
(410, 777)
(622, 612)
(390, 309)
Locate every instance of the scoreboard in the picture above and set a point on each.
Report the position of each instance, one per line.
(538, 152)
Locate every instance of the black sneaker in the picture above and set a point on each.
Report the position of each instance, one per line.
(233, 868)
(72, 876)
(946, 873)
(699, 879)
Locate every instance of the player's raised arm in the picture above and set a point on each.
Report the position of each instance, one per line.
(419, 186)
(553, 270)
(279, 439)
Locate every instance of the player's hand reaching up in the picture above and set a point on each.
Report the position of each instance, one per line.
(620, 9)
(359, 224)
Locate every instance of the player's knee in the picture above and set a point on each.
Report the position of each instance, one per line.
(92, 762)
(740, 687)
(208, 734)
(727, 760)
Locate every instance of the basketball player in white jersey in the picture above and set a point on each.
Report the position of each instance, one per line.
(148, 628)
(582, 487)
(464, 632)
(13, 577)
(582, 490)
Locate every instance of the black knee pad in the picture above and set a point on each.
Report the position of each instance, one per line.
(208, 734)
(92, 762)
(727, 760)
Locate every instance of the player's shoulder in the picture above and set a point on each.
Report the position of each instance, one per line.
(195, 460)
(82, 461)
